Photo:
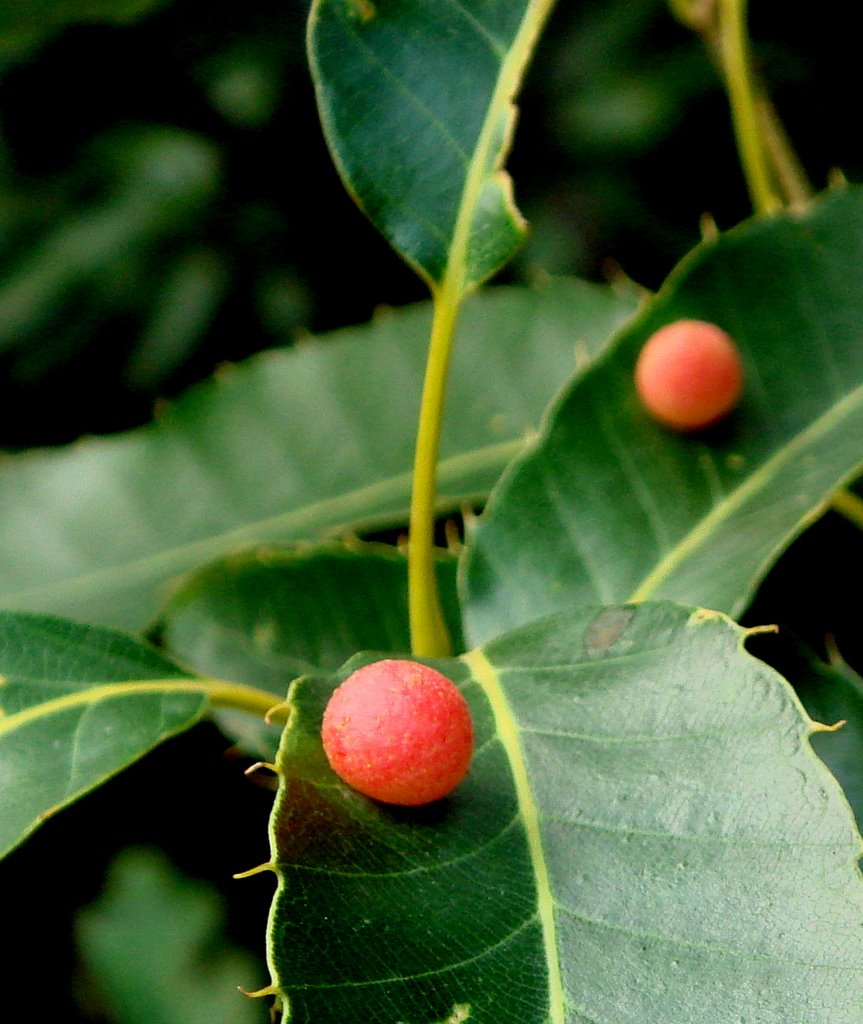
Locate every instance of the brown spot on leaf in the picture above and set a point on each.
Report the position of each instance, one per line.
(605, 630)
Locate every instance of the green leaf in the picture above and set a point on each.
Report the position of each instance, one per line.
(644, 835)
(415, 98)
(267, 615)
(297, 444)
(28, 23)
(154, 947)
(77, 704)
(832, 695)
(270, 614)
(608, 506)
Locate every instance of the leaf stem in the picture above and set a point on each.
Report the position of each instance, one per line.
(788, 175)
(848, 504)
(737, 65)
(788, 171)
(220, 693)
(429, 637)
(240, 697)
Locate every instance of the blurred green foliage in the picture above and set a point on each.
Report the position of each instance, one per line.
(167, 202)
(155, 953)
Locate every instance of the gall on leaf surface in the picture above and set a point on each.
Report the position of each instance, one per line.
(689, 375)
(644, 835)
(608, 506)
(398, 731)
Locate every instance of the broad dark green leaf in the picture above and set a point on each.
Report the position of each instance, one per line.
(269, 614)
(297, 444)
(154, 948)
(77, 704)
(608, 506)
(416, 98)
(644, 836)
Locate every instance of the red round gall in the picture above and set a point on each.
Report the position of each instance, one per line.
(399, 732)
(689, 375)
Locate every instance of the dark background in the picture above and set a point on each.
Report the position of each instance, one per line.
(624, 141)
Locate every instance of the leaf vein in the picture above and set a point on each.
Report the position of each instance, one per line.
(455, 965)
(476, 851)
(703, 945)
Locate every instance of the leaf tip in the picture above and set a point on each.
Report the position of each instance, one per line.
(759, 630)
(262, 993)
(821, 727)
(280, 711)
(707, 226)
(257, 870)
(261, 766)
(277, 1009)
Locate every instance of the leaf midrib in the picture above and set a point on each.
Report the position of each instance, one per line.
(507, 731)
(724, 510)
(294, 521)
(96, 694)
(453, 283)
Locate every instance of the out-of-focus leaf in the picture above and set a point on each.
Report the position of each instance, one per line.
(298, 444)
(38, 15)
(154, 949)
(163, 177)
(267, 615)
(184, 309)
(27, 24)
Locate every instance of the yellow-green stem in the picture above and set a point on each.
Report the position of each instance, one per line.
(849, 505)
(429, 637)
(239, 697)
(221, 694)
(788, 171)
(788, 177)
(744, 109)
